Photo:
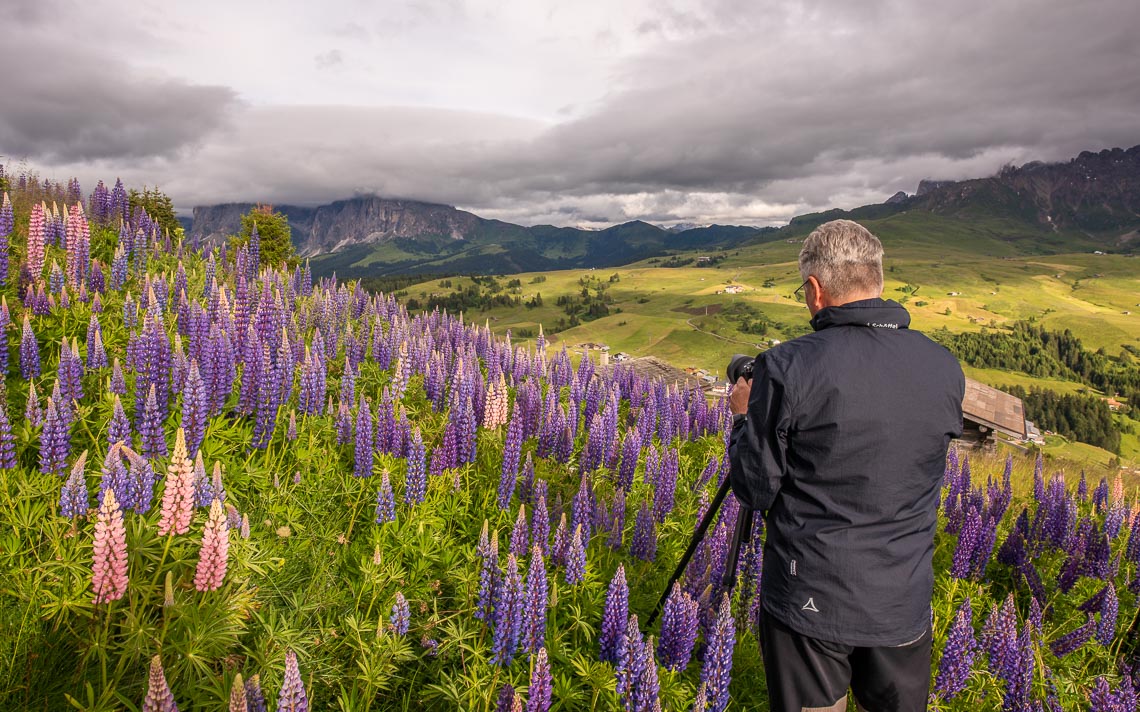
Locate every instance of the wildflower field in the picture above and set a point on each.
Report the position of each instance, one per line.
(225, 486)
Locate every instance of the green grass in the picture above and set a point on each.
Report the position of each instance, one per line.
(970, 274)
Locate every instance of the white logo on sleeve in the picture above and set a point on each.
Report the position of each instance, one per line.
(793, 567)
(810, 606)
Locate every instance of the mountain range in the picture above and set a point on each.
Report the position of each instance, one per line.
(1094, 197)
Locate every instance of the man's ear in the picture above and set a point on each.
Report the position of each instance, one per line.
(814, 294)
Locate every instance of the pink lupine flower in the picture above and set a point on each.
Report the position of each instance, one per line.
(109, 558)
(215, 550)
(36, 254)
(178, 494)
(495, 410)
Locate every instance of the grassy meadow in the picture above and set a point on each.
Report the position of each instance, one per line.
(955, 273)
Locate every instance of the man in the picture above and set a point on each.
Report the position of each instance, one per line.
(840, 441)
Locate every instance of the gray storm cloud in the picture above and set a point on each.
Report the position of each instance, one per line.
(70, 105)
(746, 113)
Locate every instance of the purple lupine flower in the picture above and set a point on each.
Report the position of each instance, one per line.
(507, 617)
(1074, 639)
(385, 502)
(506, 699)
(615, 615)
(512, 448)
(195, 409)
(292, 697)
(55, 441)
(630, 451)
(644, 545)
(141, 480)
(519, 543)
(7, 440)
(561, 544)
(581, 511)
(158, 696)
(617, 521)
(1132, 551)
(540, 525)
(679, 620)
(958, 656)
(119, 428)
(968, 536)
(343, 423)
(73, 499)
(664, 492)
(153, 440)
(526, 485)
(364, 439)
(701, 701)
(1036, 615)
(576, 558)
(716, 672)
(647, 687)
(536, 601)
(1100, 496)
(999, 638)
(1102, 698)
(29, 352)
(541, 684)
(254, 250)
(204, 493)
(115, 477)
(5, 322)
(488, 551)
(265, 408)
(1106, 626)
(118, 380)
(630, 664)
(401, 615)
(1019, 682)
(415, 482)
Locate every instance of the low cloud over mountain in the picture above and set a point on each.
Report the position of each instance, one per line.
(706, 112)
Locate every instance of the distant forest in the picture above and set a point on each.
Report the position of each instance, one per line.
(1077, 417)
(1036, 351)
(1033, 350)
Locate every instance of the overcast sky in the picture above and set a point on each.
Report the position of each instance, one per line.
(582, 112)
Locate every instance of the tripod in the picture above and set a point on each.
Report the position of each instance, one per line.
(740, 535)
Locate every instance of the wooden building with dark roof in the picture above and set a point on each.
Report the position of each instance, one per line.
(986, 411)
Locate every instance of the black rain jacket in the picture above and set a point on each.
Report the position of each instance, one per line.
(844, 450)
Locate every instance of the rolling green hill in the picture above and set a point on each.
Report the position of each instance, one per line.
(949, 271)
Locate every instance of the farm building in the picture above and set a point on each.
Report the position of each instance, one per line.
(986, 411)
(653, 367)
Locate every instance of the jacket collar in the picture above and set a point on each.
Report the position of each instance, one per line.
(879, 313)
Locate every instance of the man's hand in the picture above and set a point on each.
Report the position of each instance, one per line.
(738, 399)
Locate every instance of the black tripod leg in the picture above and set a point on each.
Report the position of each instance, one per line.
(741, 535)
(698, 535)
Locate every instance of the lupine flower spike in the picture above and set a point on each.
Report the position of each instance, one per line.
(213, 556)
(158, 696)
(178, 494)
(109, 564)
(292, 697)
(238, 701)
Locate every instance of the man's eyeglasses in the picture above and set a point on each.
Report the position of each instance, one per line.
(800, 290)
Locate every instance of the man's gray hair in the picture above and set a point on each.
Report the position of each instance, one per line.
(845, 257)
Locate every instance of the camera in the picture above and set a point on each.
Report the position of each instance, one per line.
(740, 366)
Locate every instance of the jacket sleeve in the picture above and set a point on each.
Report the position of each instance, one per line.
(757, 446)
